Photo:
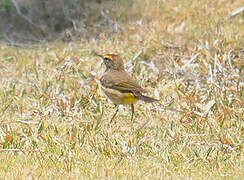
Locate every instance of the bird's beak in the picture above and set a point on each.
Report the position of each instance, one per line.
(101, 56)
(96, 54)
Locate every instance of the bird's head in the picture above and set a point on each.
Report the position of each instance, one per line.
(112, 62)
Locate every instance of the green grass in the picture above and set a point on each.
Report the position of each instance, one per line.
(54, 117)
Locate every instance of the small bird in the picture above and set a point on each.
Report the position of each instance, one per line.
(119, 86)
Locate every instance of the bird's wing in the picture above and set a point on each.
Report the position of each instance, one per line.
(120, 80)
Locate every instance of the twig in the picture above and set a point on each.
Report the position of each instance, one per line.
(134, 58)
(236, 12)
(189, 62)
(171, 46)
(11, 43)
(24, 17)
(18, 150)
(13, 150)
(111, 22)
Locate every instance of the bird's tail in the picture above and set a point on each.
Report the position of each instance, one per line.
(147, 99)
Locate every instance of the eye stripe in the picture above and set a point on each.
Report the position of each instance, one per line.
(107, 56)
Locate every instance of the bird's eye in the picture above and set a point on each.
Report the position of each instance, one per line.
(107, 59)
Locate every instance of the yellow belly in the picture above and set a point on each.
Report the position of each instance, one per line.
(118, 97)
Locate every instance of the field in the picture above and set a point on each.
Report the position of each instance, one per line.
(54, 116)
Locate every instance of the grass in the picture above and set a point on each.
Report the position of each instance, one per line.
(54, 119)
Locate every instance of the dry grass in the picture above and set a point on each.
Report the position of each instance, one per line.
(54, 119)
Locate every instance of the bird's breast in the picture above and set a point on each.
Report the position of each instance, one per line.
(118, 97)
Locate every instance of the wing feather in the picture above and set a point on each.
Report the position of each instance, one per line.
(121, 81)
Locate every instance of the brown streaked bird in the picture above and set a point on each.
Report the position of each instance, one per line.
(119, 86)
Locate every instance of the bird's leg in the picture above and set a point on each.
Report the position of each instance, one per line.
(132, 111)
(115, 113)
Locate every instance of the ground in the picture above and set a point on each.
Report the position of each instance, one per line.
(54, 119)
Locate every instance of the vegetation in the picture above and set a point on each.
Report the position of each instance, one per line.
(54, 119)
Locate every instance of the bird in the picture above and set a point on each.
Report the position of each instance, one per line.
(119, 85)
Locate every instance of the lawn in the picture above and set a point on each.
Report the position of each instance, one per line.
(55, 118)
